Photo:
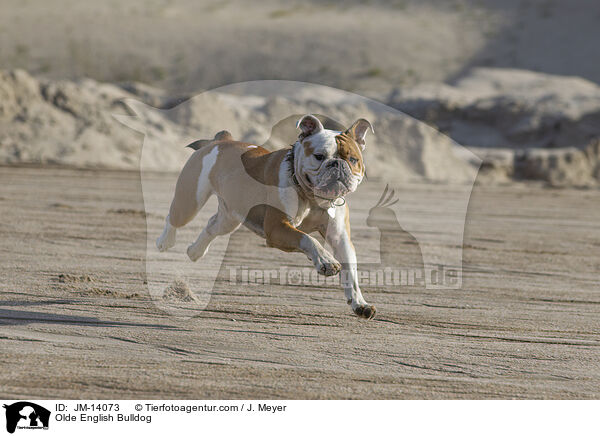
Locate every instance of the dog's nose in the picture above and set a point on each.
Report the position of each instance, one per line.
(333, 164)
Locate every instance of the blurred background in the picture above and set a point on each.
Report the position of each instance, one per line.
(515, 81)
(372, 46)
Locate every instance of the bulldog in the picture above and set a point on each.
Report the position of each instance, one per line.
(282, 196)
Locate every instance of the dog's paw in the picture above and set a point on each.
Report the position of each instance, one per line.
(196, 251)
(365, 311)
(164, 242)
(326, 264)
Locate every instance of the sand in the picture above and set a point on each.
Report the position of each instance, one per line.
(76, 320)
(189, 46)
(523, 125)
(87, 124)
(484, 80)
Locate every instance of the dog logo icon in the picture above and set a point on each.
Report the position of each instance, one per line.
(425, 230)
(26, 415)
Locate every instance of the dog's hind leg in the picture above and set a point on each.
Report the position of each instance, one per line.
(191, 193)
(219, 224)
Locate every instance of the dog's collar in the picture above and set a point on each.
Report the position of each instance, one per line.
(336, 202)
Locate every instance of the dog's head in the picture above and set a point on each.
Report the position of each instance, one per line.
(329, 163)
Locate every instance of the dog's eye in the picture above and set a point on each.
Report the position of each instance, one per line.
(353, 160)
(319, 157)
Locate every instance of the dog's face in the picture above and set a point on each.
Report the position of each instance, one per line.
(329, 163)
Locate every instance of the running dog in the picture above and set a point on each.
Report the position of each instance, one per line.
(282, 196)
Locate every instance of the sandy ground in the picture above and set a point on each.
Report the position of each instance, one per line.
(76, 319)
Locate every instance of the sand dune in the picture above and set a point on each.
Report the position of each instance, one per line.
(73, 123)
(524, 125)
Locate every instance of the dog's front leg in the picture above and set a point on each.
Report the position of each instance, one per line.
(338, 236)
(280, 233)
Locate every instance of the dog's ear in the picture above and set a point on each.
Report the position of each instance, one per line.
(358, 131)
(309, 124)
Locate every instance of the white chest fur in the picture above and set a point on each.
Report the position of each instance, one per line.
(294, 207)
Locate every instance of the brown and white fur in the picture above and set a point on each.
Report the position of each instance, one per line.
(282, 196)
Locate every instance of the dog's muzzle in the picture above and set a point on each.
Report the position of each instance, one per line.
(335, 179)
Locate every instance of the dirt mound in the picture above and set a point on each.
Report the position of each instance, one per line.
(67, 123)
(179, 291)
(524, 125)
(548, 121)
(73, 123)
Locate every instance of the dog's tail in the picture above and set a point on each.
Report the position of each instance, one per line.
(223, 135)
